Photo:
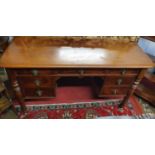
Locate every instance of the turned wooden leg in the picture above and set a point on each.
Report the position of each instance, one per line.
(19, 95)
(131, 91)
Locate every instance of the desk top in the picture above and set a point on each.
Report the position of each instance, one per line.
(29, 53)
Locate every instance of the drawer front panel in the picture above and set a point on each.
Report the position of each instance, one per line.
(39, 93)
(109, 72)
(96, 71)
(34, 72)
(114, 91)
(108, 81)
(46, 72)
(68, 71)
(35, 82)
(123, 72)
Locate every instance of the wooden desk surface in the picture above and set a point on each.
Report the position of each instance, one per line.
(21, 54)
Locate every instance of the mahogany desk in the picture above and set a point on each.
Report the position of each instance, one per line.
(34, 64)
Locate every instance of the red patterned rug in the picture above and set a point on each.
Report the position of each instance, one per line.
(83, 110)
(79, 103)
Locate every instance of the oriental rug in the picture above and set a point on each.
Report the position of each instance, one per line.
(82, 110)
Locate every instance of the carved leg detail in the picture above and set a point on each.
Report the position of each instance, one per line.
(19, 95)
(131, 91)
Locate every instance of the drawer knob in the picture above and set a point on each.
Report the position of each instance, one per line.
(34, 72)
(123, 72)
(119, 81)
(39, 93)
(114, 92)
(81, 71)
(37, 82)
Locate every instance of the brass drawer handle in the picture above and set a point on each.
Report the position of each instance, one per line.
(119, 81)
(114, 92)
(39, 93)
(37, 82)
(35, 72)
(81, 71)
(123, 72)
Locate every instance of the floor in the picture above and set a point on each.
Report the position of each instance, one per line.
(148, 109)
(9, 114)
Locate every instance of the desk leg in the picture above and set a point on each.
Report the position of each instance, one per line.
(19, 95)
(132, 90)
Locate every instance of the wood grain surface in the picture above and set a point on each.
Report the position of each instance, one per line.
(25, 52)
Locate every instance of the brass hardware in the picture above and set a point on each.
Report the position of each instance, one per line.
(81, 71)
(115, 92)
(136, 82)
(123, 72)
(37, 82)
(39, 93)
(119, 81)
(34, 72)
